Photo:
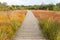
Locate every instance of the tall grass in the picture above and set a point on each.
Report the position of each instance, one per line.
(9, 23)
(15, 25)
(7, 30)
(50, 28)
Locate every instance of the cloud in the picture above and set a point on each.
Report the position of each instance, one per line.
(29, 2)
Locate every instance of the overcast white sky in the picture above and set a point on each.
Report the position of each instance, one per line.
(29, 2)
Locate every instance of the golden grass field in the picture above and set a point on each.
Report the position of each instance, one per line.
(10, 21)
(47, 14)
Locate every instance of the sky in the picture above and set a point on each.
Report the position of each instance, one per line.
(29, 2)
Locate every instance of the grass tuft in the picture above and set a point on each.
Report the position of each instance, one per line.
(50, 28)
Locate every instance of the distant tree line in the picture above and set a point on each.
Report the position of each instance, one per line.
(4, 6)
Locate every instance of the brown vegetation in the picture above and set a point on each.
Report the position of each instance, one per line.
(47, 14)
(10, 21)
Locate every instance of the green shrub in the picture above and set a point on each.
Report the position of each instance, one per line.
(50, 28)
(15, 25)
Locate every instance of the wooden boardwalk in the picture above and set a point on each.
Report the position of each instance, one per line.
(29, 29)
